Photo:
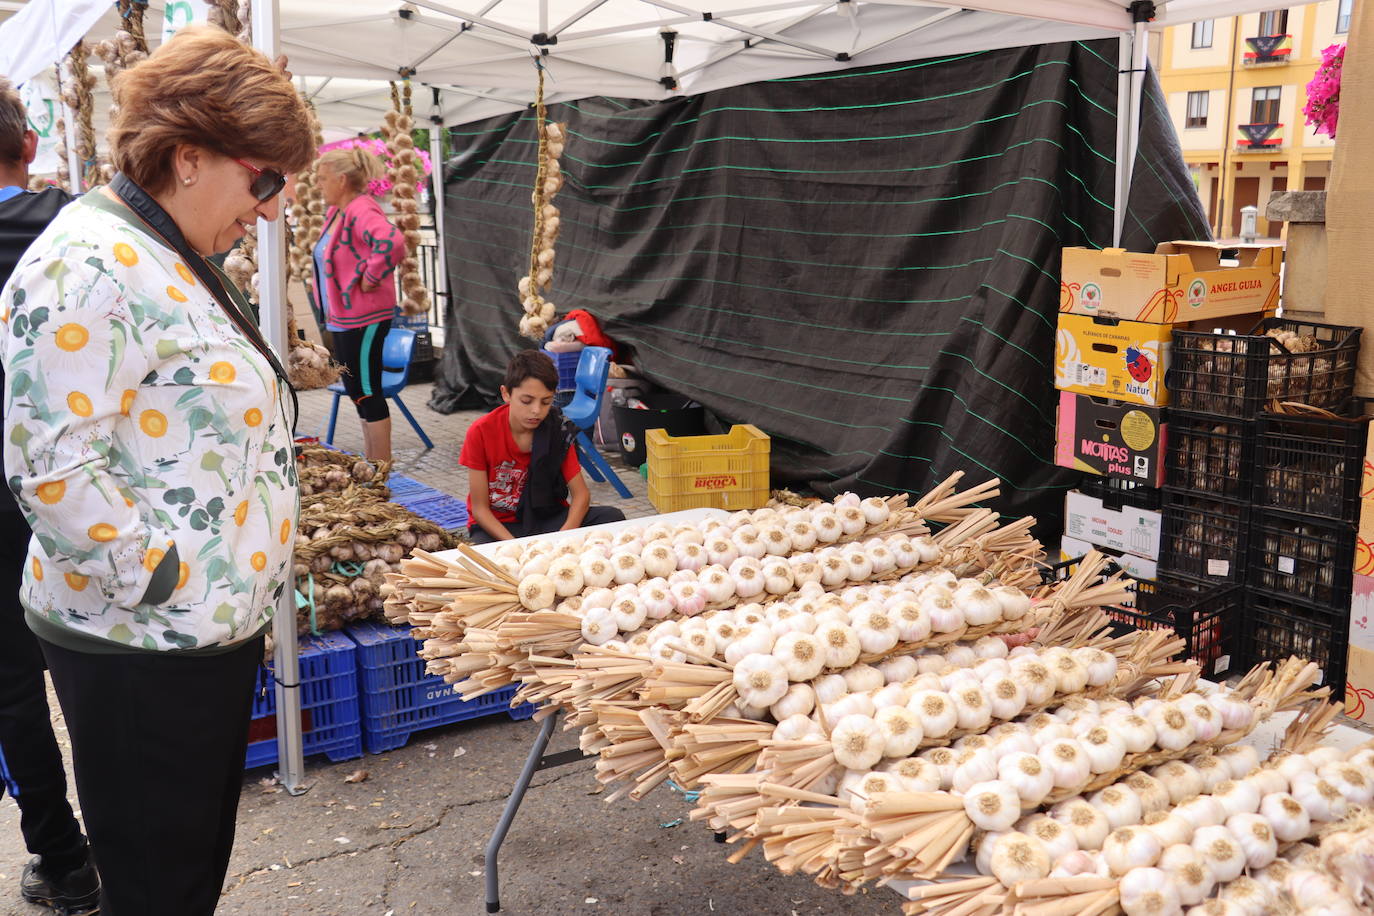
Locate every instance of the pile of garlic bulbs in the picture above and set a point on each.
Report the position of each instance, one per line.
(241, 265)
(224, 13)
(539, 313)
(1236, 848)
(406, 173)
(307, 211)
(75, 85)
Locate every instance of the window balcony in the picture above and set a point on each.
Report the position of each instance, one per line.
(1268, 50)
(1259, 138)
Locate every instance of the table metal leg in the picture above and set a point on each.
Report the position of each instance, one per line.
(517, 795)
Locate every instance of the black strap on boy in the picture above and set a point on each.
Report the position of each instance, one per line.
(161, 222)
(545, 489)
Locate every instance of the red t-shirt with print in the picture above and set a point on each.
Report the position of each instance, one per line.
(490, 446)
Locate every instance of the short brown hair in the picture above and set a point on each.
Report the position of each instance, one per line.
(206, 88)
(531, 364)
(355, 164)
(14, 123)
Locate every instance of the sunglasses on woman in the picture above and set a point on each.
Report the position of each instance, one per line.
(267, 183)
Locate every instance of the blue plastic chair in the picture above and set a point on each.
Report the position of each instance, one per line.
(593, 368)
(396, 353)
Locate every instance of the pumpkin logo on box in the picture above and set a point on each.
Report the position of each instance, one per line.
(1197, 294)
(1090, 298)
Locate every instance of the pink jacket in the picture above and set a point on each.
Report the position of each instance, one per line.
(361, 244)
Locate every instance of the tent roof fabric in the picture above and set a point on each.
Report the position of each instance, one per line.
(482, 53)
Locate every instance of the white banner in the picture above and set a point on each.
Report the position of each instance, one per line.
(181, 13)
(41, 102)
(42, 33)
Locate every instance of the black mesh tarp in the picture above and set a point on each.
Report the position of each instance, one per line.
(864, 264)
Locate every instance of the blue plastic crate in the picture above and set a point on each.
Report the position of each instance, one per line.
(448, 512)
(400, 319)
(330, 713)
(399, 698)
(567, 368)
(402, 486)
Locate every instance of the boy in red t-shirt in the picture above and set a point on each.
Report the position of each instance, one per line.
(522, 468)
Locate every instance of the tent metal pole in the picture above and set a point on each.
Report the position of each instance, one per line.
(1123, 119)
(436, 161)
(73, 160)
(272, 297)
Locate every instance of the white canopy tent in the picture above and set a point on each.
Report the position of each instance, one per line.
(480, 55)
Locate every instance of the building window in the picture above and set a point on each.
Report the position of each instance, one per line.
(1342, 17)
(1274, 22)
(1202, 33)
(1264, 105)
(1197, 109)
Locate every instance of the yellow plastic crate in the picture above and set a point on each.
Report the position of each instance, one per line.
(720, 472)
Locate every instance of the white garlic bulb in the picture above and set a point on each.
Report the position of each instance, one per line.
(1286, 816)
(760, 680)
(1067, 762)
(1028, 775)
(936, 712)
(1181, 780)
(1088, 825)
(993, 806)
(1119, 804)
(1190, 873)
(537, 593)
(599, 626)
(1168, 828)
(1151, 792)
(1256, 838)
(857, 742)
(1148, 892)
(1128, 848)
(841, 644)
(1221, 851)
(902, 730)
(1018, 857)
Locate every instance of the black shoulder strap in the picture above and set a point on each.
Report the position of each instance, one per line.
(161, 222)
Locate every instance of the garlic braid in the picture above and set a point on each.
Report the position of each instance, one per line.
(414, 295)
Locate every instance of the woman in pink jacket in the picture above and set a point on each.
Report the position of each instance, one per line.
(355, 292)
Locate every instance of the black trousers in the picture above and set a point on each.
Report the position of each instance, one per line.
(29, 758)
(596, 515)
(158, 743)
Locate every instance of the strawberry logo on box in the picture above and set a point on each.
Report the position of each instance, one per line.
(1090, 298)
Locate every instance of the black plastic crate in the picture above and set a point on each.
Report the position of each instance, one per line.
(1210, 454)
(1273, 628)
(1311, 465)
(1236, 375)
(1116, 492)
(1301, 557)
(1204, 616)
(1203, 537)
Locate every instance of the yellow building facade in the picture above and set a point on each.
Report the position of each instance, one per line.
(1236, 88)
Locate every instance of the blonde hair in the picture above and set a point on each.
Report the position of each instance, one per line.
(206, 88)
(355, 164)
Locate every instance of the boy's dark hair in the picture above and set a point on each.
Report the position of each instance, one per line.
(529, 364)
(14, 123)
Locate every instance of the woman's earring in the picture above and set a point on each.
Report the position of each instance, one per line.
(187, 181)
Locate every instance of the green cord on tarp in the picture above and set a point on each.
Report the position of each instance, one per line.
(302, 601)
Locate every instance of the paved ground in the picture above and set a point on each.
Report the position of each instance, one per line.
(408, 839)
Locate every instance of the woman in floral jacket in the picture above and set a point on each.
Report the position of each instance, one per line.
(148, 439)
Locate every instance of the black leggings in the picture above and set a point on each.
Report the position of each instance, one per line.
(158, 743)
(360, 352)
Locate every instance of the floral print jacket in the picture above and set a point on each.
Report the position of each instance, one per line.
(137, 419)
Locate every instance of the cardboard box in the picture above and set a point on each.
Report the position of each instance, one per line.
(1128, 529)
(1359, 685)
(1110, 438)
(1181, 281)
(1107, 357)
(1359, 669)
(1135, 567)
